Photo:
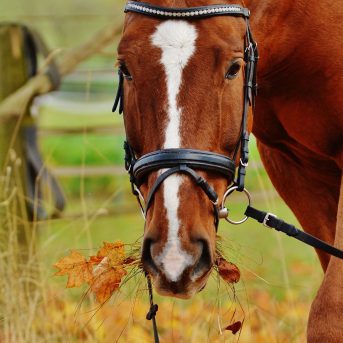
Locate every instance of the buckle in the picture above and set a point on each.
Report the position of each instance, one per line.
(267, 217)
(245, 165)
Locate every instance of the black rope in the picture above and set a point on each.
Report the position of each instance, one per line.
(151, 315)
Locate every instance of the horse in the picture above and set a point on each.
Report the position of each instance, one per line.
(182, 87)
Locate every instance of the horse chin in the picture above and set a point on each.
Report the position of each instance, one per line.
(180, 289)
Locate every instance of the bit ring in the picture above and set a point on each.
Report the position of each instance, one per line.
(226, 195)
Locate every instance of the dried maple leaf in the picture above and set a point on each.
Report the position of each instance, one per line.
(228, 271)
(76, 267)
(102, 272)
(115, 252)
(106, 280)
(234, 328)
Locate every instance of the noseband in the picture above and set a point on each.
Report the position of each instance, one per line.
(185, 161)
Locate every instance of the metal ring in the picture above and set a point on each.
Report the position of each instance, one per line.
(226, 195)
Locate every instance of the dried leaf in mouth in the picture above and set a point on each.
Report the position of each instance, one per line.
(228, 271)
(106, 280)
(102, 272)
(78, 269)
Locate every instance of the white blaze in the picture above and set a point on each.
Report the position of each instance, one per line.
(177, 40)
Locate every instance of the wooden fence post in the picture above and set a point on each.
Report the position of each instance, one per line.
(15, 69)
(18, 260)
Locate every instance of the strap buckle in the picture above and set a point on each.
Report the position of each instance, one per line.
(243, 164)
(266, 219)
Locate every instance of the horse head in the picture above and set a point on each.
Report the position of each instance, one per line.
(182, 88)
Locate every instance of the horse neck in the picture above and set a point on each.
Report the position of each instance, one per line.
(277, 26)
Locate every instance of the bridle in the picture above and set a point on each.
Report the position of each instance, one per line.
(185, 161)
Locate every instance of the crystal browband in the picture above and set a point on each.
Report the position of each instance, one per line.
(195, 12)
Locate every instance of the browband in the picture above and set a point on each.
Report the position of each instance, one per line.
(196, 12)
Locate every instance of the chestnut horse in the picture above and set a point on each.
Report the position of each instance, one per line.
(177, 96)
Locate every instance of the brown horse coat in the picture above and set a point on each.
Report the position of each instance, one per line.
(299, 126)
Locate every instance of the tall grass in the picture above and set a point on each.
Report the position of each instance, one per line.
(30, 310)
(20, 287)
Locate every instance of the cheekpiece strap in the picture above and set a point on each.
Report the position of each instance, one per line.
(191, 12)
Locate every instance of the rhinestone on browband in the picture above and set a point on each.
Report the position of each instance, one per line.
(191, 12)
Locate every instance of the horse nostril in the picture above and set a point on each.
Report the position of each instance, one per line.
(147, 260)
(205, 260)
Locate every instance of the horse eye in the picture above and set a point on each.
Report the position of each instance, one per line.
(233, 71)
(125, 71)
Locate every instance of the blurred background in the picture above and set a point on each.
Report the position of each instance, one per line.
(80, 142)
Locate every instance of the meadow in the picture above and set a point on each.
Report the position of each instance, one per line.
(279, 275)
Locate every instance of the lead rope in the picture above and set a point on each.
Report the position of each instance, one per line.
(151, 315)
(271, 221)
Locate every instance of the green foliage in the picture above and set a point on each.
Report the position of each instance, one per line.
(89, 150)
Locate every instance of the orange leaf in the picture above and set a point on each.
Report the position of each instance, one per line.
(234, 328)
(76, 267)
(102, 272)
(106, 280)
(115, 252)
(95, 260)
(228, 271)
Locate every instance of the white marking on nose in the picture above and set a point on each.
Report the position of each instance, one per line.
(177, 40)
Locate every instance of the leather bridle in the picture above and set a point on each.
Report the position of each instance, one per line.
(185, 161)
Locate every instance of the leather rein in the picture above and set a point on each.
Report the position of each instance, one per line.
(185, 161)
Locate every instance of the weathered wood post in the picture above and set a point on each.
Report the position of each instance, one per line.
(15, 70)
(18, 265)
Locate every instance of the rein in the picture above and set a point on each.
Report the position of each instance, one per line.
(186, 160)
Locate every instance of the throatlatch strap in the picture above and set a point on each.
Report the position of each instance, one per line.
(271, 221)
